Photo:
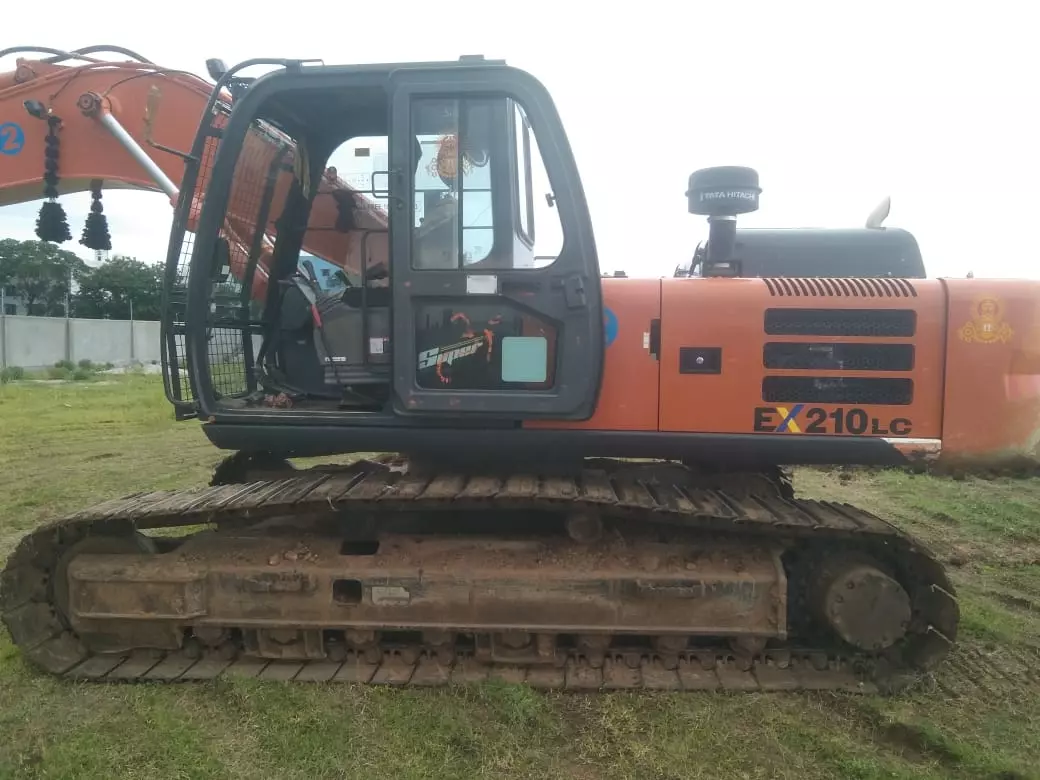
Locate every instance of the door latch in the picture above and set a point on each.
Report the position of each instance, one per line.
(574, 292)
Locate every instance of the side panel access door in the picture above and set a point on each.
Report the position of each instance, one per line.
(481, 324)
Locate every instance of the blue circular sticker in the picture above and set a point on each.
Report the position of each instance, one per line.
(610, 326)
(12, 138)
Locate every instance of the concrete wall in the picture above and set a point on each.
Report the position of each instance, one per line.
(39, 342)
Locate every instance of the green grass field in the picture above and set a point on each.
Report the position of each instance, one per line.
(66, 445)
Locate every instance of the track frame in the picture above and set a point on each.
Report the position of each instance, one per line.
(665, 500)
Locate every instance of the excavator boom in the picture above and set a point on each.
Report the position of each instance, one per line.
(72, 123)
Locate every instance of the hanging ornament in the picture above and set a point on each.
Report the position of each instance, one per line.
(95, 231)
(445, 163)
(52, 224)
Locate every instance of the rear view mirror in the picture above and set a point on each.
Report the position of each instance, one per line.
(216, 68)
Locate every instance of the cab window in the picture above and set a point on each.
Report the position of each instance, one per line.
(524, 205)
(454, 206)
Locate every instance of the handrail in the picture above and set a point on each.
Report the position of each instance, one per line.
(60, 55)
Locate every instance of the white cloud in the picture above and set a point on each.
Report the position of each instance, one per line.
(836, 105)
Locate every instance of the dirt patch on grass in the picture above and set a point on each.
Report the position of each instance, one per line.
(942, 744)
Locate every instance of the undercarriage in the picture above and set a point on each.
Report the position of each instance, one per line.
(626, 575)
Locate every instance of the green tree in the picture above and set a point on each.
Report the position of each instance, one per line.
(105, 292)
(40, 273)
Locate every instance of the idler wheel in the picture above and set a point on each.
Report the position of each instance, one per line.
(865, 606)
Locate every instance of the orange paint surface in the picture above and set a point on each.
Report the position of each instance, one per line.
(975, 372)
(628, 398)
(729, 313)
(992, 398)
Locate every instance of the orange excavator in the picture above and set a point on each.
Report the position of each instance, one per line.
(587, 487)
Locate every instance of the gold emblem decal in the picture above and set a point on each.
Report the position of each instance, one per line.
(987, 325)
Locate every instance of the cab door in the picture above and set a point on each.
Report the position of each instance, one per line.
(482, 324)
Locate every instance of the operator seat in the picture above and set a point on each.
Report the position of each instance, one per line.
(345, 345)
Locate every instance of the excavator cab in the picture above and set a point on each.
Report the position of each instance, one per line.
(452, 304)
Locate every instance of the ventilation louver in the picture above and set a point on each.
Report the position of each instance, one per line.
(809, 287)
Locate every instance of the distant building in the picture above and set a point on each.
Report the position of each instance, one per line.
(12, 302)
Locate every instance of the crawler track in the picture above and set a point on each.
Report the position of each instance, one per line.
(640, 504)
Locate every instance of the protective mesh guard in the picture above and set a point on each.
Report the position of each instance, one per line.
(235, 292)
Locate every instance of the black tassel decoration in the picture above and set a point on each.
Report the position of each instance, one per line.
(95, 232)
(52, 225)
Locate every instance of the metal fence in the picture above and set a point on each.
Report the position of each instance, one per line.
(39, 342)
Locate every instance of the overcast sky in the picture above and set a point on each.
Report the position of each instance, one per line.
(835, 104)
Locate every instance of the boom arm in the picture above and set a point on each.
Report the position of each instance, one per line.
(129, 124)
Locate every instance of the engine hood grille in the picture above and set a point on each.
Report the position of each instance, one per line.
(851, 287)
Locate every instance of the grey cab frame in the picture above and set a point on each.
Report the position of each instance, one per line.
(567, 292)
